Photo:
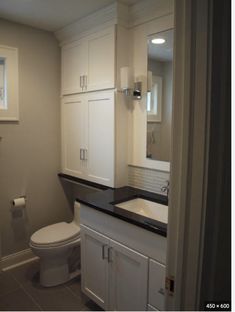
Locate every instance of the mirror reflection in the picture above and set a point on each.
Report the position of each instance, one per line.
(159, 95)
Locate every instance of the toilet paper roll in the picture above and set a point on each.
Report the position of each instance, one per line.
(19, 202)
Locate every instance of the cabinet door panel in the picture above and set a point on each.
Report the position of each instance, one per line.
(74, 59)
(94, 266)
(156, 284)
(100, 138)
(128, 279)
(101, 61)
(73, 137)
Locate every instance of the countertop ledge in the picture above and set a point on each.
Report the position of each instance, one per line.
(105, 202)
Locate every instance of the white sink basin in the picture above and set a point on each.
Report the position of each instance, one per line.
(146, 208)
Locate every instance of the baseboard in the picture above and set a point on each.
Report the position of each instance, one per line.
(17, 259)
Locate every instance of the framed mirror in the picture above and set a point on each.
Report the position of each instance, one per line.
(159, 95)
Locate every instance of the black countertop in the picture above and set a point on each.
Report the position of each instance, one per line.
(106, 200)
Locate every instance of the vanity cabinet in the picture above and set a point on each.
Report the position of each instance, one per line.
(123, 266)
(113, 275)
(157, 273)
(89, 63)
(95, 266)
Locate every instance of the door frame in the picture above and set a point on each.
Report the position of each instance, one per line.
(190, 152)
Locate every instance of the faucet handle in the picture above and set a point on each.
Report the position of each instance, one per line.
(165, 188)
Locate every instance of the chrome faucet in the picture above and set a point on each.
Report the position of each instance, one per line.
(166, 188)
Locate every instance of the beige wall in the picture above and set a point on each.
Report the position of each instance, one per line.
(30, 149)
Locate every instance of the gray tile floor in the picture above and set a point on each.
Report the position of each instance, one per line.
(20, 291)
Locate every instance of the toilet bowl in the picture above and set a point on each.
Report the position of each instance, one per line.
(54, 245)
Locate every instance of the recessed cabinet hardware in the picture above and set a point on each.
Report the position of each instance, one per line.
(81, 154)
(80, 81)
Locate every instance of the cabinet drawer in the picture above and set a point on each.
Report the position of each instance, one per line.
(156, 284)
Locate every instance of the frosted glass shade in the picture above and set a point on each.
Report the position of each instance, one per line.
(125, 77)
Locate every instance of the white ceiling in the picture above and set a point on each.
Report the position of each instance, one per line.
(51, 15)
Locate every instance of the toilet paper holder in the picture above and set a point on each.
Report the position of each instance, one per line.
(18, 207)
(19, 202)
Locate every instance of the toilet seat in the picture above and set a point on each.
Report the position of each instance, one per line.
(55, 235)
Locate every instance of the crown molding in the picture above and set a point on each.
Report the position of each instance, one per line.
(147, 10)
(117, 13)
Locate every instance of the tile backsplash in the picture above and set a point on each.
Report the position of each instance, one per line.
(147, 179)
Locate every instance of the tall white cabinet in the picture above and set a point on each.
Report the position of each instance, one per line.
(93, 113)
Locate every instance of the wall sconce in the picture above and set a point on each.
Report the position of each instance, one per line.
(127, 85)
(137, 92)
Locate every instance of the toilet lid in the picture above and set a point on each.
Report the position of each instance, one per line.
(55, 233)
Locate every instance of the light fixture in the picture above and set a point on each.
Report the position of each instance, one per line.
(128, 87)
(137, 92)
(158, 41)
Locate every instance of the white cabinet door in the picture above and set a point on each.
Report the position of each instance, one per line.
(94, 266)
(73, 124)
(128, 278)
(89, 64)
(100, 138)
(88, 136)
(74, 60)
(156, 284)
(101, 60)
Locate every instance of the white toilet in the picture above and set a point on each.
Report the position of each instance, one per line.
(54, 244)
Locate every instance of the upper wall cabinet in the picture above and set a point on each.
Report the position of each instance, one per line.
(89, 64)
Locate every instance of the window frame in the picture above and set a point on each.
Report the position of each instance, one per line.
(11, 110)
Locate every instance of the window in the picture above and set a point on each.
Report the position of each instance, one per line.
(154, 100)
(3, 100)
(9, 110)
